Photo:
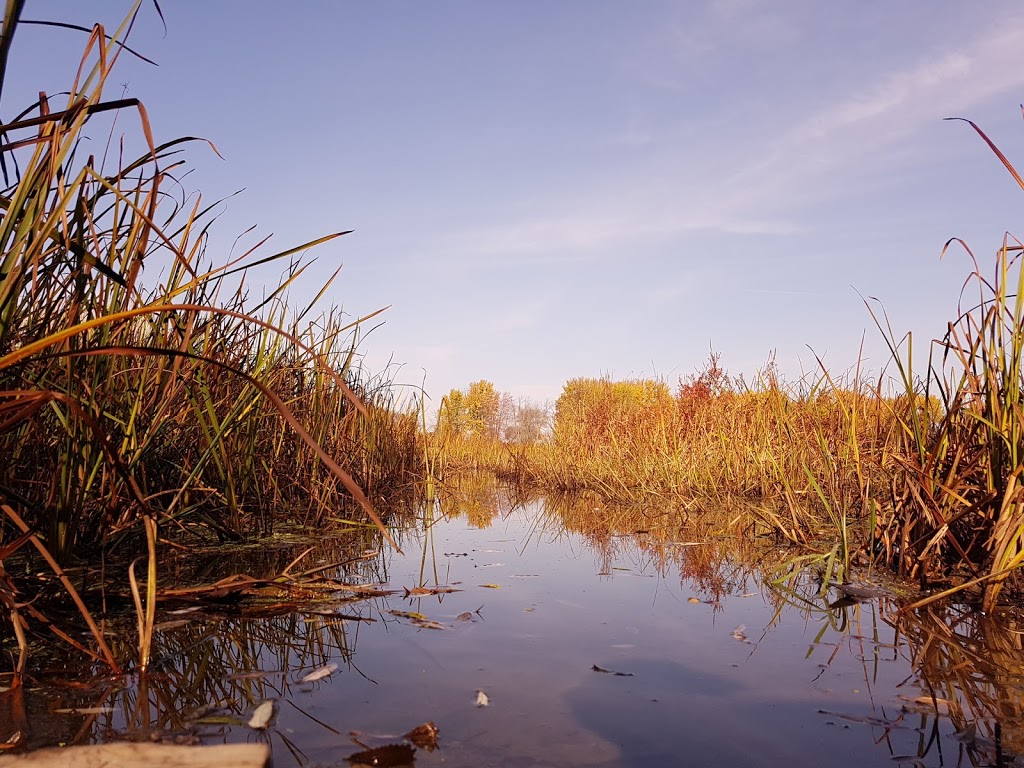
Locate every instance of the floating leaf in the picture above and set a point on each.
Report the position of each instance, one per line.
(693, 600)
(491, 586)
(424, 736)
(428, 624)
(740, 634)
(482, 700)
(388, 756)
(421, 591)
(464, 616)
(409, 615)
(319, 674)
(257, 674)
(262, 715)
(610, 672)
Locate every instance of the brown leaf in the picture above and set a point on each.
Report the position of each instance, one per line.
(424, 736)
(388, 756)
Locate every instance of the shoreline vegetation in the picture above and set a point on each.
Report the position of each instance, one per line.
(917, 473)
(138, 417)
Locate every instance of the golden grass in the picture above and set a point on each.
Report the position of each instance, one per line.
(128, 402)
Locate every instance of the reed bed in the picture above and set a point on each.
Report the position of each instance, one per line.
(140, 409)
(920, 472)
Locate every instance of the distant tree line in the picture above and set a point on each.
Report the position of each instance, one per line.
(481, 412)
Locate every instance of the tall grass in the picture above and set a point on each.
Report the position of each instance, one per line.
(126, 401)
(957, 500)
(923, 472)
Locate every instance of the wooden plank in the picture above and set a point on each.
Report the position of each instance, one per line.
(143, 753)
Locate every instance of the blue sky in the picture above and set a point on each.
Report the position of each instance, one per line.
(544, 190)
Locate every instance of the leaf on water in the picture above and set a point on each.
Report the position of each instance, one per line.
(428, 624)
(262, 715)
(740, 634)
(617, 568)
(482, 700)
(254, 675)
(409, 615)
(491, 586)
(596, 668)
(424, 736)
(465, 616)
(84, 711)
(388, 756)
(319, 674)
(420, 591)
(927, 701)
(693, 600)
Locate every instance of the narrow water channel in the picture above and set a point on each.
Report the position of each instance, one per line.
(620, 646)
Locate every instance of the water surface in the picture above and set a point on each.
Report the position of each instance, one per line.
(715, 668)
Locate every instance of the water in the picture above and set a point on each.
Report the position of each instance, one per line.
(716, 668)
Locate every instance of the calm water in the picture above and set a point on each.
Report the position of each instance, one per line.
(717, 669)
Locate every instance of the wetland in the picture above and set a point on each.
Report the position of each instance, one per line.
(554, 633)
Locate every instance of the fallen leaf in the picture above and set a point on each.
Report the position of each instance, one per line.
(491, 586)
(693, 600)
(409, 615)
(610, 672)
(262, 715)
(464, 616)
(388, 756)
(740, 634)
(424, 736)
(428, 624)
(254, 675)
(482, 700)
(319, 674)
(420, 591)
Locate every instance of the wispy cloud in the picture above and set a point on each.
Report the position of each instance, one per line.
(752, 183)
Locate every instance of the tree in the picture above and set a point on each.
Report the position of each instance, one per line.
(483, 410)
(527, 422)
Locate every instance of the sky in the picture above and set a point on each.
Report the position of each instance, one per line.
(541, 191)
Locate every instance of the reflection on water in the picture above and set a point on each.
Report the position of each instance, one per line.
(599, 637)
